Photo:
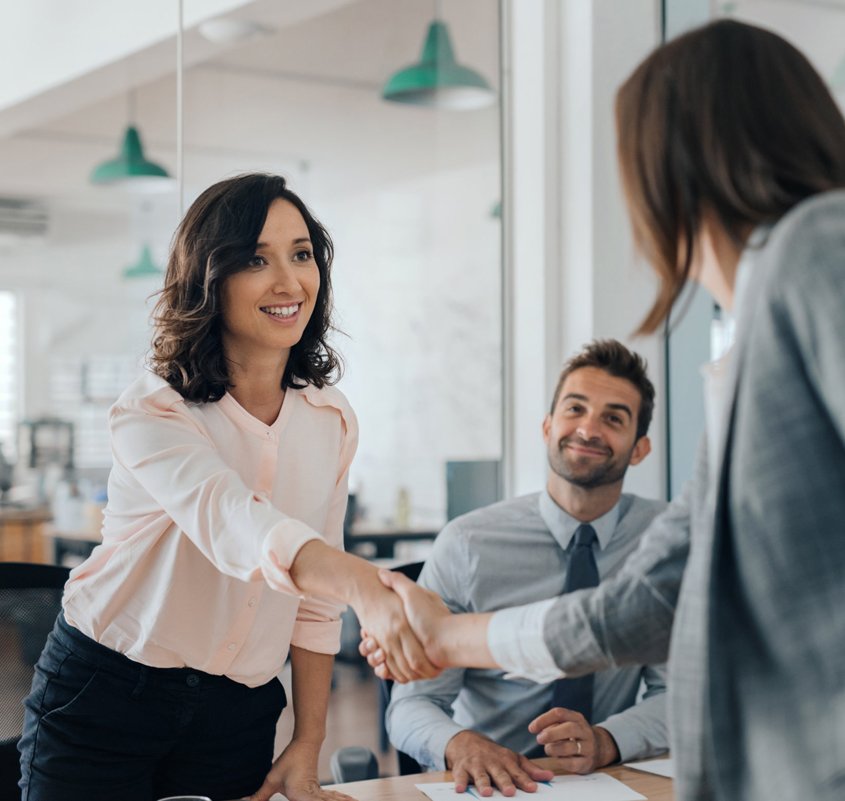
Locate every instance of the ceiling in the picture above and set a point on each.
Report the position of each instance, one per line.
(302, 98)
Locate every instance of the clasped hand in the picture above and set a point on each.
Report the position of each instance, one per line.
(402, 655)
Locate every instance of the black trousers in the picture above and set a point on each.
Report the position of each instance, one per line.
(100, 727)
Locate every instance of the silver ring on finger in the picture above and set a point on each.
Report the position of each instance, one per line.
(578, 746)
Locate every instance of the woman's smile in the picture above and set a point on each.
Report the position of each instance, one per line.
(286, 314)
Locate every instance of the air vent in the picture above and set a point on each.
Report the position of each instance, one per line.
(22, 218)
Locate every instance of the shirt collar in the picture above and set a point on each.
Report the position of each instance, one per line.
(745, 267)
(562, 525)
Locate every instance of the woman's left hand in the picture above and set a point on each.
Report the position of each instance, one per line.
(294, 775)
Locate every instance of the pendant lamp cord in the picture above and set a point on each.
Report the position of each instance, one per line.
(180, 144)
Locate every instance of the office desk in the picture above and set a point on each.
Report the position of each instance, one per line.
(401, 788)
(385, 537)
(21, 533)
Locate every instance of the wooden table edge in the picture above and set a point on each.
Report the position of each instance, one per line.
(394, 788)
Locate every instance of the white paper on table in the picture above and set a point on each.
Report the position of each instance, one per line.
(595, 787)
(662, 767)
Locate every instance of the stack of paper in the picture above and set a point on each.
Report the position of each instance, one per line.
(662, 767)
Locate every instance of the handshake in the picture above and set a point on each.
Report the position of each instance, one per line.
(408, 633)
(412, 635)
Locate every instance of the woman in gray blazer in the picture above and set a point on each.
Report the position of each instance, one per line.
(732, 154)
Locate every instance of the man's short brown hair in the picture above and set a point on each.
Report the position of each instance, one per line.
(615, 359)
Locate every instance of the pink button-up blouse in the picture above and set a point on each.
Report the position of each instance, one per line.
(207, 509)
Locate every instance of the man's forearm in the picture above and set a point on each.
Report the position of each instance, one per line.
(420, 728)
(461, 641)
(419, 717)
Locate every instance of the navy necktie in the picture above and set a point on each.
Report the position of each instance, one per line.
(577, 694)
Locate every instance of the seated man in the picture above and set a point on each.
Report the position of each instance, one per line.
(476, 722)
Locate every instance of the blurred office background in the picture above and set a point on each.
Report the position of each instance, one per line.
(480, 233)
(411, 196)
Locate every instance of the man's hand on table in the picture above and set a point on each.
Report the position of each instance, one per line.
(473, 759)
(568, 736)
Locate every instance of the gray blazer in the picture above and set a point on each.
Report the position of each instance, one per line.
(746, 568)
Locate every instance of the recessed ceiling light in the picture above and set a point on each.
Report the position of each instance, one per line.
(230, 30)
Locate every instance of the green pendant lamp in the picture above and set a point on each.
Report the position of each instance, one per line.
(131, 167)
(145, 267)
(437, 80)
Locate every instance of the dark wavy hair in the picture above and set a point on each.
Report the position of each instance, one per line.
(729, 119)
(615, 359)
(216, 239)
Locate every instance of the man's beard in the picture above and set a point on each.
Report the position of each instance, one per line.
(583, 471)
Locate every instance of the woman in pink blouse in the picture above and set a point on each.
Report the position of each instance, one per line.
(222, 538)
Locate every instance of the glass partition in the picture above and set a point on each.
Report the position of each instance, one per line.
(410, 194)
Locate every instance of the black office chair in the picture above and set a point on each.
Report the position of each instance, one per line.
(30, 600)
(353, 764)
(407, 764)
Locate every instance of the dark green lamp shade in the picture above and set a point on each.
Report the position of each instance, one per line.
(437, 80)
(129, 165)
(145, 267)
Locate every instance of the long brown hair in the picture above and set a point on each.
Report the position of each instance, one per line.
(728, 119)
(216, 239)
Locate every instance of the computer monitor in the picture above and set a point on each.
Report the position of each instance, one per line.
(471, 485)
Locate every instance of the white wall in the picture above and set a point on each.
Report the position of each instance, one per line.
(74, 303)
(417, 286)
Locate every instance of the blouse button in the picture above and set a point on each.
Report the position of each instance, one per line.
(251, 602)
(231, 646)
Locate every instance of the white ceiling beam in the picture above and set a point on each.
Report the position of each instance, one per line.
(60, 57)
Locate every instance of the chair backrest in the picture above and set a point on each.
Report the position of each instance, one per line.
(30, 600)
(412, 570)
(353, 764)
(407, 764)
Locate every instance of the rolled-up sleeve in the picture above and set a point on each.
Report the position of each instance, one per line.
(516, 639)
